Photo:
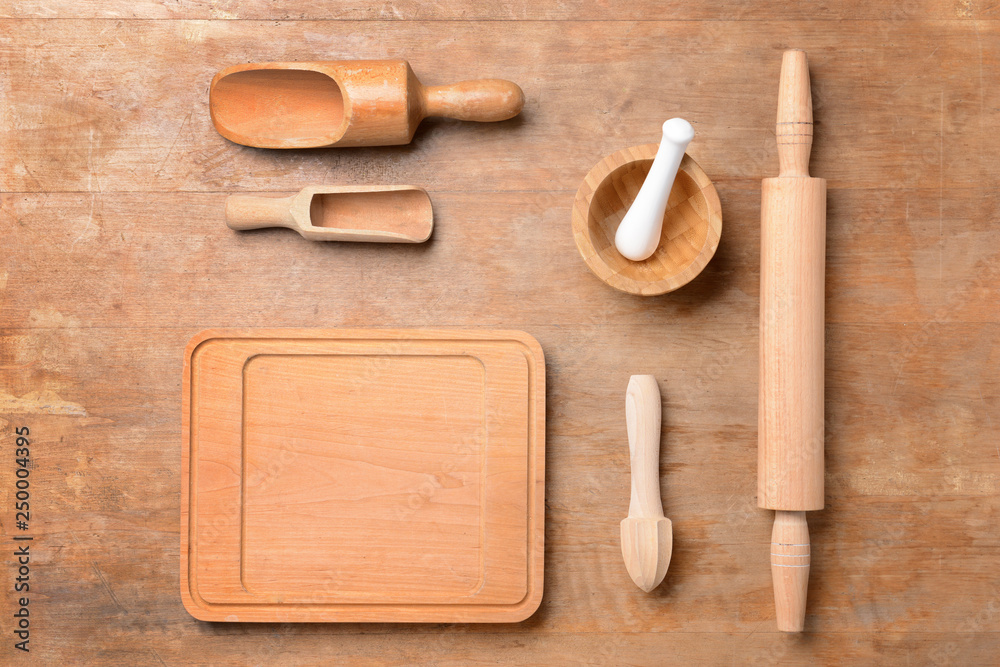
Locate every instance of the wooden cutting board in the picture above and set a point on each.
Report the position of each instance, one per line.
(363, 475)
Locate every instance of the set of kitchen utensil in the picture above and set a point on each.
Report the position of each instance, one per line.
(398, 475)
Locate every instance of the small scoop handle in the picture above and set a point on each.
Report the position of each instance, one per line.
(484, 100)
(253, 212)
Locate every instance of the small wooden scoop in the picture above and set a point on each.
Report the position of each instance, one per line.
(374, 213)
(647, 536)
(348, 103)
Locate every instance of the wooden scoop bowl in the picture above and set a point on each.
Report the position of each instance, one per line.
(692, 223)
(347, 103)
(373, 213)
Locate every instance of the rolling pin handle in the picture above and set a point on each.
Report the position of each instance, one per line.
(790, 561)
(794, 128)
(253, 212)
(484, 100)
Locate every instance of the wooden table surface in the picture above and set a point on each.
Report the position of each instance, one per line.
(115, 254)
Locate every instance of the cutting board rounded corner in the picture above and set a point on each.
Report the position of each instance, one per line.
(199, 339)
(534, 349)
(196, 610)
(528, 341)
(531, 604)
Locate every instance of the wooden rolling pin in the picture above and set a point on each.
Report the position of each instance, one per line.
(792, 268)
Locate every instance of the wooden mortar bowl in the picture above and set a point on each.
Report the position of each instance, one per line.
(692, 223)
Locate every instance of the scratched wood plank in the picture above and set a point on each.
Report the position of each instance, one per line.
(918, 257)
(109, 542)
(895, 497)
(455, 10)
(898, 103)
(115, 254)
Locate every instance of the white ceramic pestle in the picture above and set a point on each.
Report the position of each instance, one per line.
(639, 233)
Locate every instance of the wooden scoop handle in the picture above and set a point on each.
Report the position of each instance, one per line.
(253, 212)
(642, 419)
(485, 100)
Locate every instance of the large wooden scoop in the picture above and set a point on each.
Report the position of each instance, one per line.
(647, 536)
(373, 213)
(348, 103)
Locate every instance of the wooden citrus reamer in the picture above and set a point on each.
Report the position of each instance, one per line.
(792, 268)
(646, 535)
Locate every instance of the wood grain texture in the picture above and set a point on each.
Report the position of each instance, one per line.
(116, 252)
(497, 10)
